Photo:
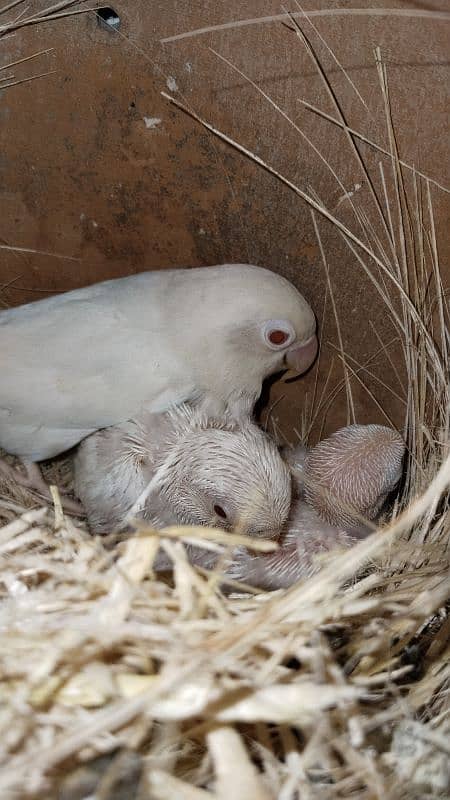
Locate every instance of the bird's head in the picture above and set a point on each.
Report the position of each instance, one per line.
(227, 475)
(248, 323)
(349, 476)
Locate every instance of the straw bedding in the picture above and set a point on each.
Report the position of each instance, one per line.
(115, 683)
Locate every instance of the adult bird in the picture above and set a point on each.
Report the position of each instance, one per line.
(98, 356)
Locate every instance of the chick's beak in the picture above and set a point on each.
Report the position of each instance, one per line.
(301, 356)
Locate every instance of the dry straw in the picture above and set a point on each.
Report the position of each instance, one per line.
(112, 680)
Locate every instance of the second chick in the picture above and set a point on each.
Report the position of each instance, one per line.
(340, 486)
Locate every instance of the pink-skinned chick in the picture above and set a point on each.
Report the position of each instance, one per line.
(339, 489)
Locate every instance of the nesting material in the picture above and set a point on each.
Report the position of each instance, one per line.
(98, 657)
(115, 683)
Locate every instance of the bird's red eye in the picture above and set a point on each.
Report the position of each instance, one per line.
(278, 337)
(220, 512)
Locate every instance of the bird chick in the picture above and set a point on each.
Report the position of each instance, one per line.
(98, 356)
(342, 483)
(180, 468)
(348, 477)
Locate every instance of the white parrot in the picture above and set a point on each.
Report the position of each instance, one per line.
(97, 356)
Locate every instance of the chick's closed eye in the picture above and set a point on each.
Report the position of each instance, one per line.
(220, 511)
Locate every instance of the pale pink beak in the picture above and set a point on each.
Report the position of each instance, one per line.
(301, 356)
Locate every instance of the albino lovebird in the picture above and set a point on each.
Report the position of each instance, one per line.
(98, 356)
(180, 468)
(338, 485)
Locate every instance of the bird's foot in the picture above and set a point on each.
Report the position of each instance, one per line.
(34, 481)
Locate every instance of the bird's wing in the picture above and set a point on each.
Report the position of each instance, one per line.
(76, 363)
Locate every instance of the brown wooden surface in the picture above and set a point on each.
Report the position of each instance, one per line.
(82, 174)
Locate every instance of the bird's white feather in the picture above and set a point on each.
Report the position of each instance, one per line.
(97, 356)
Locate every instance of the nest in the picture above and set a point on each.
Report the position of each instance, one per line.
(116, 683)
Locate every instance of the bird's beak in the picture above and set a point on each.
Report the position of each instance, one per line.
(300, 357)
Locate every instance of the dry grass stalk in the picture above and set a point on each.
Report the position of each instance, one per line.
(411, 13)
(47, 14)
(313, 692)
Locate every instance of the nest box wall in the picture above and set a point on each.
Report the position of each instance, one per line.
(104, 175)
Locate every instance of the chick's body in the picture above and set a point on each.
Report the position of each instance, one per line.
(305, 537)
(97, 356)
(200, 471)
(339, 488)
